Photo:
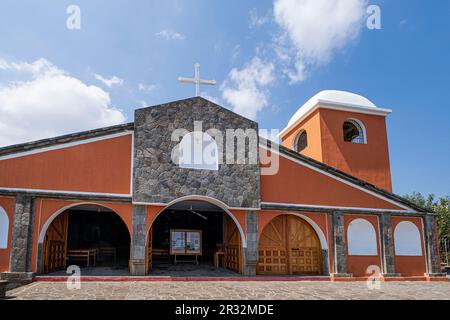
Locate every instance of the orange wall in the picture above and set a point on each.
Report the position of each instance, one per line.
(357, 265)
(45, 208)
(295, 183)
(102, 167)
(410, 266)
(369, 162)
(8, 205)
(312, 127)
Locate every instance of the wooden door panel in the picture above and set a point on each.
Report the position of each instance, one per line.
(55, 245)
(232, 245)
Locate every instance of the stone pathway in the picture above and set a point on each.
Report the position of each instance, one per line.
(231, 290)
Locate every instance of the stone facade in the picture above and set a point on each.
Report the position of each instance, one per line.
(157, 179)
(387, 246)
(251, 252)
(22, 234)
(138, 241)
(339, 245)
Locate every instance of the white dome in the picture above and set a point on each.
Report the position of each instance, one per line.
(341, 98)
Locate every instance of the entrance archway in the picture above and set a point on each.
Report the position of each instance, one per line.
(219, 248)
(289, 245)
(88, 235)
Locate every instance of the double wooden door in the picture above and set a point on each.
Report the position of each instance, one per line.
(54, 250)
(289, 246)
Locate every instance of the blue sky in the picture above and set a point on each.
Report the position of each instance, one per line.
(253, 50)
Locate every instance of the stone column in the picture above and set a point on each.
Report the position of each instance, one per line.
(432, 246)
(22, 234)
(21, 245)
(138, 241)
(387, 246)
(339, 245)
(251, 252)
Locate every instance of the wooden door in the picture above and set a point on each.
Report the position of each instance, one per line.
(149, 250)
(273, 257)
(232, 245)
(288, 246)
(55, 245)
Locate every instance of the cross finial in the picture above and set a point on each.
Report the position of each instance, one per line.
(197, 80)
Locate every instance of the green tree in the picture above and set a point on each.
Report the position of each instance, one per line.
(440, 206)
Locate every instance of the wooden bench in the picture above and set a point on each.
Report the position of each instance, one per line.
(108, 252)
(82, 255)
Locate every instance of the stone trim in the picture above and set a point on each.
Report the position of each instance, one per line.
(387, 246)
(138, 241)
(339, 245)
(22, 234)
(431, 245)
(251, 252)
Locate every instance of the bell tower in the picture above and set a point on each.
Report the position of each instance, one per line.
(345, 131)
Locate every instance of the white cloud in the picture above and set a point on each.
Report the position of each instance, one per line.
(114, 81)
(50, 102)
(314, 29)
(168, 34)
(256, 20)
(147, 88)
(245, 89)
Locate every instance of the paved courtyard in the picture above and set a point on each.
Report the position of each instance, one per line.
(232, 290)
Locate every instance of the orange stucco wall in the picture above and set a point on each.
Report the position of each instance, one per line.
(8, 205)
(410, 266)
(357, 265)
(312, 127)
(295, 183)
(102, 167)
(369, 162)
(46, 208)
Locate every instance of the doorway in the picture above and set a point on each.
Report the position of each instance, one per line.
(289, 246)
(90, 236)
(219, 245)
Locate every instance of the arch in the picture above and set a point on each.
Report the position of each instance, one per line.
(4, 229)
(407, 240)
(199, 151)
(213, 201)
(361, 238)
(354, 131)
(49, 221)
(301, 141)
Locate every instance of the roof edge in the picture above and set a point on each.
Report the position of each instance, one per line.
(78, 136)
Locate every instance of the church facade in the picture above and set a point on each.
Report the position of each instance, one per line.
(318, 204)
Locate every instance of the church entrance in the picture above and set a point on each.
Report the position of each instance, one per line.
(289, 246)
(194, 238)
(89, 236)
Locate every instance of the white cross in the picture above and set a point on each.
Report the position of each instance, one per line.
(197, 81)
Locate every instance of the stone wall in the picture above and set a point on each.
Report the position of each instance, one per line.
(157, 179)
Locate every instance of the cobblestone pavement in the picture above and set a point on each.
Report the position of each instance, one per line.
(231, 290)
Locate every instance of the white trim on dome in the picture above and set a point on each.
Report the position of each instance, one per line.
(335, 100)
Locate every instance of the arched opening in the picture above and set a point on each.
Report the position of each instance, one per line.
(289, 246)
(195, 238)
(407, 240)
(362, 239)
(354, 132)
(4, 229)
(301, 142)
(90, 236)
